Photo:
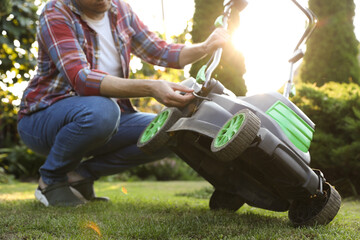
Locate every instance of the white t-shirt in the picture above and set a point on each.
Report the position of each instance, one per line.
(109, 59)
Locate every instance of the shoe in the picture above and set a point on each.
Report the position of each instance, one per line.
(85, 188)
(58, 194)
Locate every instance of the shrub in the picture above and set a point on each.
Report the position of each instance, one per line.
(8, 119)
(163, 170)
(335, 150)
(21, 162)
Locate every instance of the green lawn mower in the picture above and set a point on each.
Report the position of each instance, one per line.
(252, 149)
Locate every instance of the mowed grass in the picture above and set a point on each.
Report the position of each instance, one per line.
(156, 210)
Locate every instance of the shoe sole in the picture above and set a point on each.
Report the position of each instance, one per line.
(39, 196)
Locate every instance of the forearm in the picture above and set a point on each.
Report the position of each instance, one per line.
(189, 54)
(192, 53)
(126, 88)
(164, 92)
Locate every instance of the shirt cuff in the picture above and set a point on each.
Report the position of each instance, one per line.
(174, 56)
(90, 81)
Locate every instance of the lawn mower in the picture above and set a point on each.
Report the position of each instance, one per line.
(252, 149)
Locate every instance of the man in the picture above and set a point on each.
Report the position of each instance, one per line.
(68, 112)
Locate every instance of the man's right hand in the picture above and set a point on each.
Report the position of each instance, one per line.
(168, 93)
(172, 94)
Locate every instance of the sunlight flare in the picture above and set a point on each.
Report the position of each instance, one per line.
(124, 190)
(92, 225)
(267, 36)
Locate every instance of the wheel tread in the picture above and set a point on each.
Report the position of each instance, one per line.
(242, 139)
(326, 214)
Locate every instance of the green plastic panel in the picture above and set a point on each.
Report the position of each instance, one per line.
(294, 127)
(219, 22)
(201, 76)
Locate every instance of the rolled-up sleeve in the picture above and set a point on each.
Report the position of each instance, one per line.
(59, 38)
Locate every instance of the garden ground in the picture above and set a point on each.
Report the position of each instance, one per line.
(156, 210)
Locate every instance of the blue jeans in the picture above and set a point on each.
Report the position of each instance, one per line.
(90, 127)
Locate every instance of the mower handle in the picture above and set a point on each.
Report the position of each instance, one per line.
(217, 54)
(311, 27)
(228, 4)
(298, 53)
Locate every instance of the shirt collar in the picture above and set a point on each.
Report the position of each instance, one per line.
(75, 8)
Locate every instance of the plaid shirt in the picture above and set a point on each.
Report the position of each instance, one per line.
(68, 55)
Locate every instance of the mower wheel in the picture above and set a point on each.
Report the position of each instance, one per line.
(155, 136)
(319, 210)
(236, 135)
(225, 201)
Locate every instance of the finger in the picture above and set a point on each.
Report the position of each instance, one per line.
(178, 100)
(221, 32)
(177, 104)
(181, 88)
(180, 97)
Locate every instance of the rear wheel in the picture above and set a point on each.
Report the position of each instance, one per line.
(236, 135)
(319, 210)
(225, 201)
(155, 136)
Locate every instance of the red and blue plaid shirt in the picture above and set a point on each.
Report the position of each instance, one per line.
(68, 55)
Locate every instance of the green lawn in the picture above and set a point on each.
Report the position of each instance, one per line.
(156, 210)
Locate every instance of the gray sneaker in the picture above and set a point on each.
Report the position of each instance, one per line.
(58, 194)
(85, 188)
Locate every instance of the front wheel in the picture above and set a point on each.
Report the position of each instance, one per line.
(236, 135)
(154, 137)
(225, 201)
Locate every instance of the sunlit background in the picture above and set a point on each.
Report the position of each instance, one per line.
(268, 34)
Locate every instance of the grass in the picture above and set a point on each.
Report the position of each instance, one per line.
(156, 210)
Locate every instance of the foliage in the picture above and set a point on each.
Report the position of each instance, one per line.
(8, 119)
(16, 40)
(335, 150)
(167, 169)
(17, 60)
(20, 161)
(18, 20)
(4, 177)
(232, 66)
(5, 7)
(333, 48)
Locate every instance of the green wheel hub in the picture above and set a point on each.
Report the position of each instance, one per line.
(229, 130)
(154, 126)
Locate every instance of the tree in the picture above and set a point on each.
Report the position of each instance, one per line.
(231, 68)
(5, 7)
(333, 48)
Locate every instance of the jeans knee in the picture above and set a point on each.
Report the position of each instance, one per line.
(101, 116)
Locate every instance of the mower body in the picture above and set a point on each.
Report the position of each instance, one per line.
(273, 170)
